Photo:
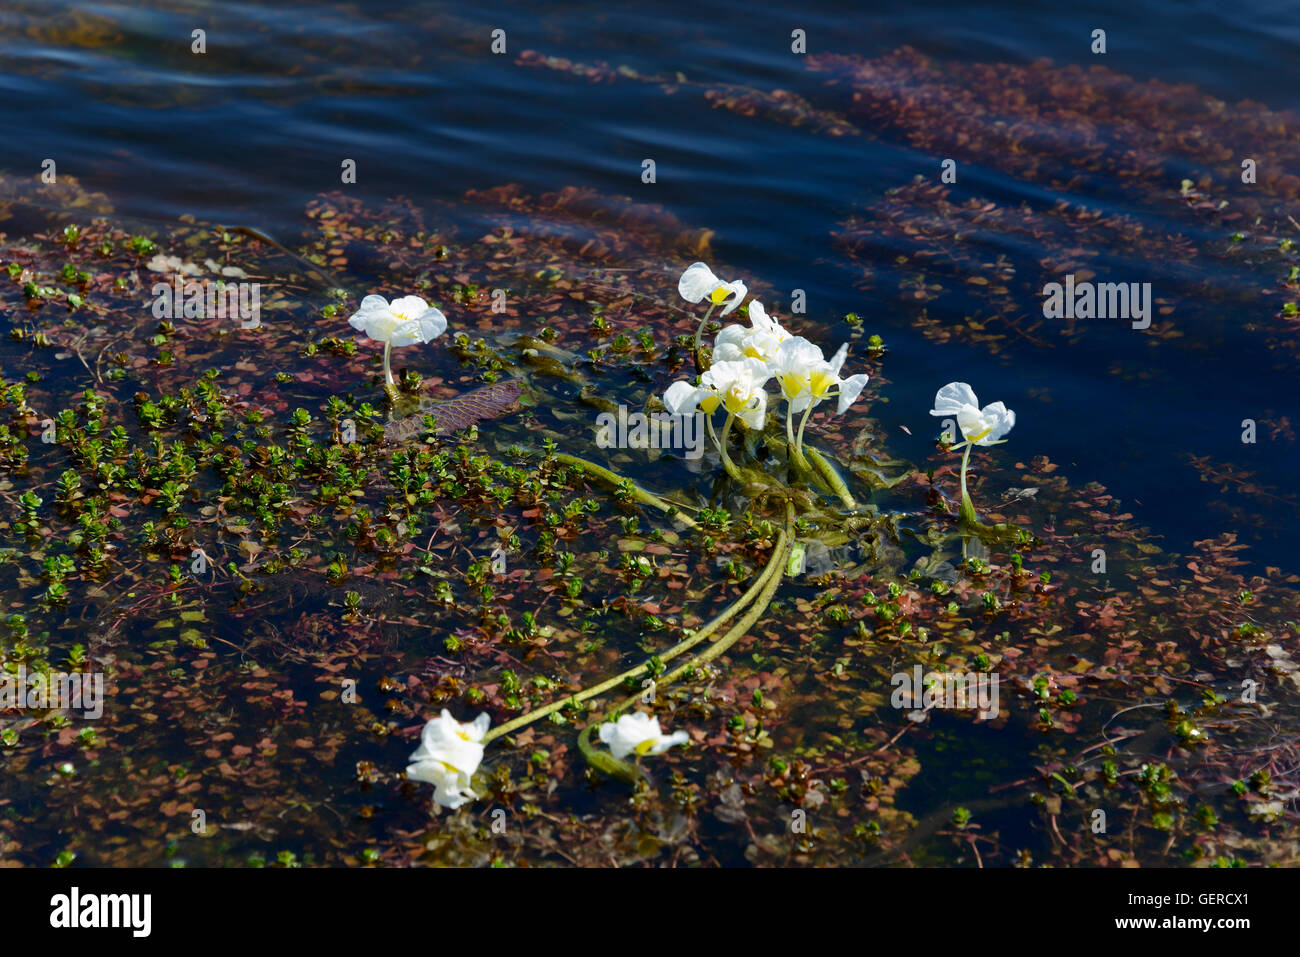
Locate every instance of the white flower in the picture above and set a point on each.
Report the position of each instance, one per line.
(402, 322)
(448, 755)
(978, 426)
(793, 361)
(807, 378)
(737, 386)
(682, 398)
(638, 732)
(698, 282)
(760, 341)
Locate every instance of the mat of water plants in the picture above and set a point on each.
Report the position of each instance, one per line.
(269, 571)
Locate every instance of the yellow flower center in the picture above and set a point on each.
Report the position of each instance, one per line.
(820, 382)
(736, 400)
(792, 384)
(719, 295)
(645, 746)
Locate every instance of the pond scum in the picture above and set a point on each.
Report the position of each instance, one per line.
(284, 570)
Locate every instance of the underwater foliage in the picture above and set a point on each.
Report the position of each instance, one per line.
(284, 574)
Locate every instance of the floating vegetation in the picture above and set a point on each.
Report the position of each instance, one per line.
(295, 566)
(964, 266)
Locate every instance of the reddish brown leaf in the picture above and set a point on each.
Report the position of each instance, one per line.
(489, 402)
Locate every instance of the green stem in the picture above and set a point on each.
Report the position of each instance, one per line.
(699, 366)
(390, 384)
(776, 569)
(796, 455)
(812, 463)
(722, 448)
(832, 478)
(682, 646)
(638, 493)
(603, 761)
(769, 581)
(967, 513)
(802, 422)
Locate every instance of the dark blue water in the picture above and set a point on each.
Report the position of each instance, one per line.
(255, 128)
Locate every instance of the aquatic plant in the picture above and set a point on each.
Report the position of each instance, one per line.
(983, 427)
(737, 387)
(743, 361)
(448, 755)
(807, 380)
(237, 680)
(760, 341)
(638, 733)
(403, 322)
(697, 283)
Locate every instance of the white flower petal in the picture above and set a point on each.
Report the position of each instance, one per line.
(669, 741)
(798, 353)
(638, 732)
(755, 415)
(432, 324)
(403, 322)
(759, 318)
(971, 421)
(451, 788)
(697, 282)
(729, 346)
(682, 398)
(999, 420)
(952, 398)
(837, 361)
(850, 389)
(738, 293)
(409, 306)
(446, 743)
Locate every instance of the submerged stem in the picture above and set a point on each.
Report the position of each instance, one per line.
(682, 646)
(776, 569)
(638, 493)
(768, 582)
(831, 477)
(812, 463)
(604, 761)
